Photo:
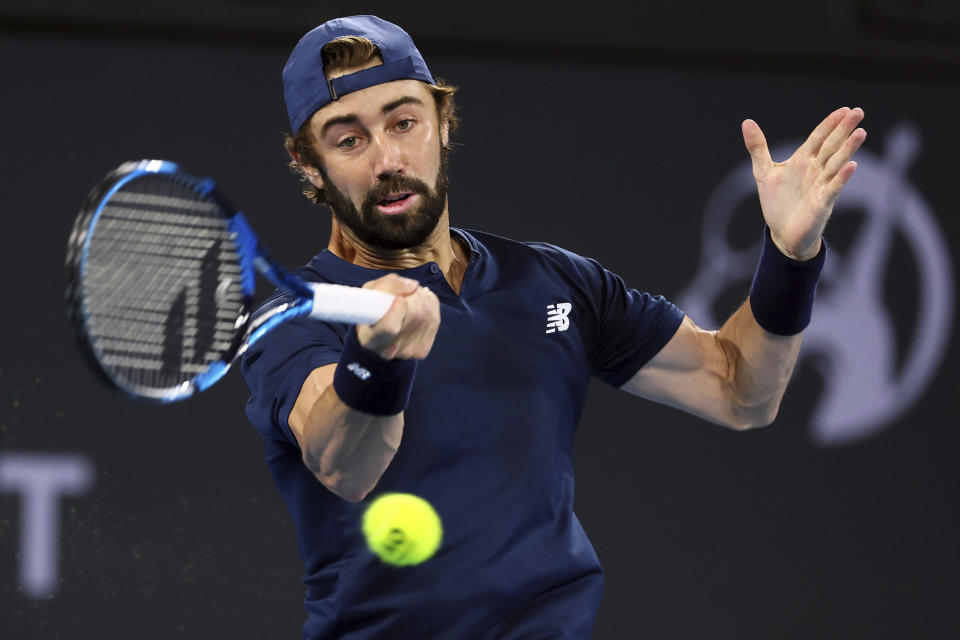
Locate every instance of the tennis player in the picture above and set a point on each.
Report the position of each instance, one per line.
(469, 390)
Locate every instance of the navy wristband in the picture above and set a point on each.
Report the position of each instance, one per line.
(783, 289)
(370, 384)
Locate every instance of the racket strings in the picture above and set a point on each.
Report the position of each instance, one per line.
(162, 284)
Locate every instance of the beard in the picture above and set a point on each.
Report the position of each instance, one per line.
(402, 231)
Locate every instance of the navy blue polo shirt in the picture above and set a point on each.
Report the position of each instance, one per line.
(487, 439)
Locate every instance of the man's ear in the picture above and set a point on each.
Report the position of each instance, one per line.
(445, 133)
(311, 172)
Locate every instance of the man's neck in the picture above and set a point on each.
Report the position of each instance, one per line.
(439, 247)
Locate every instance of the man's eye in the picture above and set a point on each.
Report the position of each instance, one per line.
(349, 142)
(404, 125)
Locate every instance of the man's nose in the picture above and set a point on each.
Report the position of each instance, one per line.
(388, 158)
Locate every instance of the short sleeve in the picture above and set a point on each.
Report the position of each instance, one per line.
(277, 365)
(628, 328)
(632, 327)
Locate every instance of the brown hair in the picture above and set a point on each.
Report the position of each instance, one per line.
(342, 53)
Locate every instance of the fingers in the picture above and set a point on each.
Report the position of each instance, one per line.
(834, 187)
(837, 148)
(756, 144)
(408, 329)
(815, 141)
(842, 156)
(421, 321)
(839, 134)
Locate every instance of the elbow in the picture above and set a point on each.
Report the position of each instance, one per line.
(757, 424)
(351, 463)
(745, 410)
(342, 487)
(747, 425)
(349, 494)
(350, 486)
(756, 417)
(742, 425)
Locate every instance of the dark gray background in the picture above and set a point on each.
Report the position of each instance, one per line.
(702, 532)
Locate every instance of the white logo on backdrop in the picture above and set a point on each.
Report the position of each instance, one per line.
(852, 332)
(41, 480)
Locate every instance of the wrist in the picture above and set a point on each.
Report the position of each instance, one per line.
(783, 289)
(369, 383)
(797, 254)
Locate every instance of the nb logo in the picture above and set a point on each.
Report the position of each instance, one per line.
(358, 371)
(557, 319)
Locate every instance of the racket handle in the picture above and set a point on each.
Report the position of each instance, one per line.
(353, 305)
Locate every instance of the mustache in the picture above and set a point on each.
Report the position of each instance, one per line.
(392, 184)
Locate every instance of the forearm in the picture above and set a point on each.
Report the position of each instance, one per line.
(762, 339)
(348, 417)
(346, 449)
(759, 366)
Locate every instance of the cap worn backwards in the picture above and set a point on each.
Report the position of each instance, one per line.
(305, 86)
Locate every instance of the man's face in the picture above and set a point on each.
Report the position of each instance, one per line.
(383, 160)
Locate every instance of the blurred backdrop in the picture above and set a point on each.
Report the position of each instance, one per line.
(613, 132)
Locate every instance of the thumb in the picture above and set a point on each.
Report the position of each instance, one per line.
(407, 286)
(394, 285)
(756, 144)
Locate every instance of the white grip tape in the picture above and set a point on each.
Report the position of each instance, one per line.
(353, 305)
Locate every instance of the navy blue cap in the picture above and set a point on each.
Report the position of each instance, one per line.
(305, 87)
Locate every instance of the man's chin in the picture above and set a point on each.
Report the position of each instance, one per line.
(402, 231)
(396, 228)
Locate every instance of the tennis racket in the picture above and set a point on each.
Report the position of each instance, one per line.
(160, 281)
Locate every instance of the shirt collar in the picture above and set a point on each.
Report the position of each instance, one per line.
(336, 269)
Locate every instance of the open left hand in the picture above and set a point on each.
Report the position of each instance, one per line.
(797, 196)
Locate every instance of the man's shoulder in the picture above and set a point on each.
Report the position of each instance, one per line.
(310, 272)
(535, 249)
(543, 258)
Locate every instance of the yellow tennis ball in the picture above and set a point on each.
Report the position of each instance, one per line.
(402, 529)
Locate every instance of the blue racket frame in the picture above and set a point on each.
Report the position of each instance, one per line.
(253, 257)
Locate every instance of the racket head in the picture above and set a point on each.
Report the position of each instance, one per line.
(160, 281)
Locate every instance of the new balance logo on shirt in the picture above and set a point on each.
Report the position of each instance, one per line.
(557, 319)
